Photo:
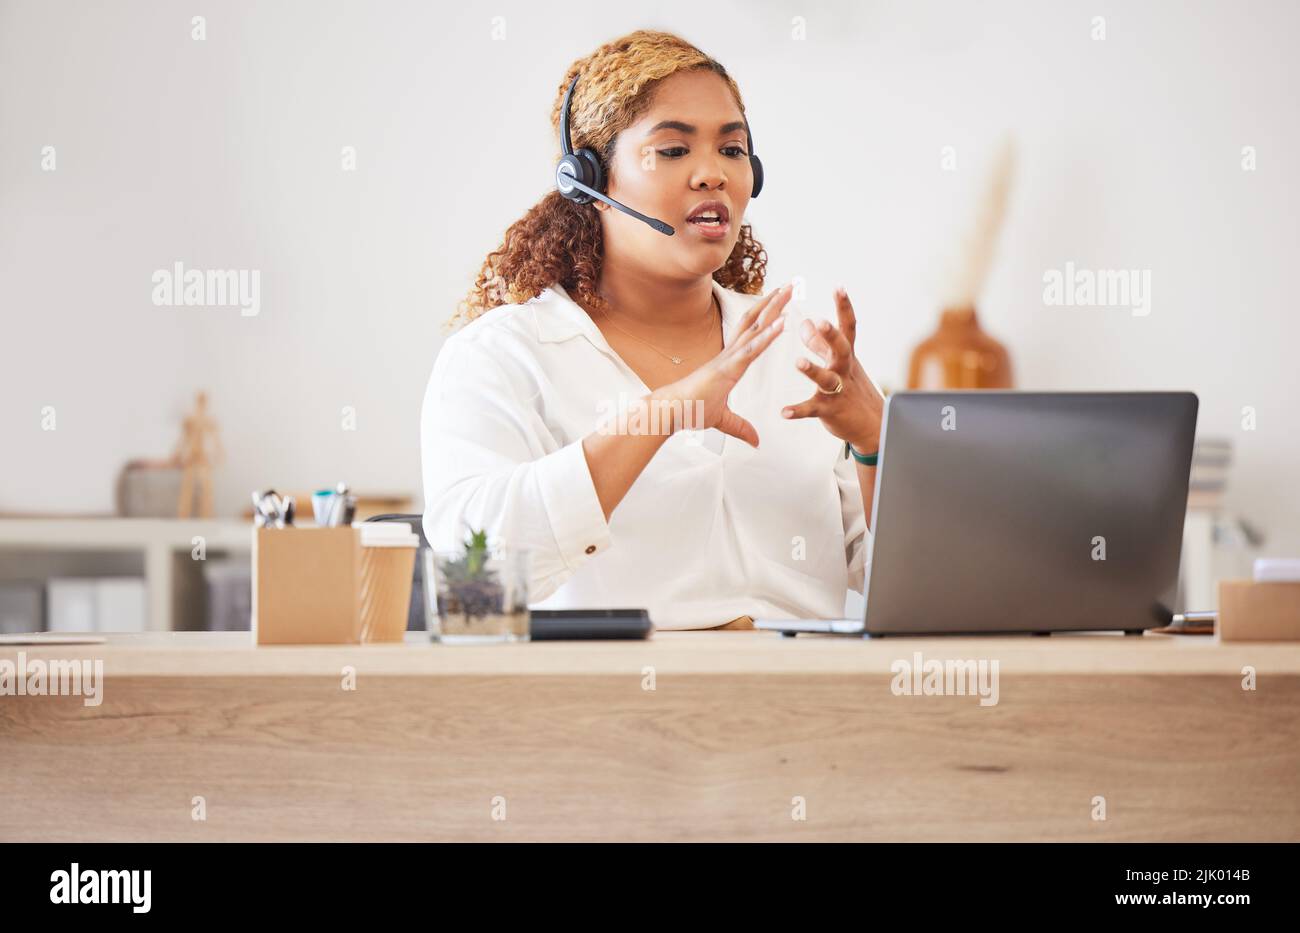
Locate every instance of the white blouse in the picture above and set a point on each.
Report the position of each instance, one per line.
(711, 530)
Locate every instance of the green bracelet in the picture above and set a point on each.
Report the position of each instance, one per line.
(864, 459)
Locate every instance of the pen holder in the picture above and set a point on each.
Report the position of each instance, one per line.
(305, 588)
(331, 586)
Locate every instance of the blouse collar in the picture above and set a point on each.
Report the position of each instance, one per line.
(558, 317)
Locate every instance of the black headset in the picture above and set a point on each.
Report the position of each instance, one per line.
(580, 177)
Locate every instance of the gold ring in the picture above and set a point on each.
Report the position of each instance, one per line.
(839, 387)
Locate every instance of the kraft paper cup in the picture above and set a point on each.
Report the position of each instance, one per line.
(387, 565)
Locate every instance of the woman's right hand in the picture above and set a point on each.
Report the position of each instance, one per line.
(703, 394)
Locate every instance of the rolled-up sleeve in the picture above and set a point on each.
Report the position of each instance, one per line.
(855, 520)
(490, 462)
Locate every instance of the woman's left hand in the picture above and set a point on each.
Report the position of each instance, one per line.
(854, 412)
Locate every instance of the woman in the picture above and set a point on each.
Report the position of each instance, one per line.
(603, 401)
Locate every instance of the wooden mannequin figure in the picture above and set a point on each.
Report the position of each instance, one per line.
(192, 455)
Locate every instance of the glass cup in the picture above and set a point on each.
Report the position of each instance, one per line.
(476, 600)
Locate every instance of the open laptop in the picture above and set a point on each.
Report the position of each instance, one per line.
(1024, 512)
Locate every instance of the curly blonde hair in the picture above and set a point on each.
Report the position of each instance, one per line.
(559, 241)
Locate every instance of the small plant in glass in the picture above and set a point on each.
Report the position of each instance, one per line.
(482, 595)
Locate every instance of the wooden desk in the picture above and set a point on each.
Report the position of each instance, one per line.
(738, 725)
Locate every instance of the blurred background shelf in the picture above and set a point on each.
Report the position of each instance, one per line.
(63, 573)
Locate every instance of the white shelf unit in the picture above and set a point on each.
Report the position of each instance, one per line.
(160, 541)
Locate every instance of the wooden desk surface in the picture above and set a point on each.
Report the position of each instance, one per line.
(689, 735)
(224, 654)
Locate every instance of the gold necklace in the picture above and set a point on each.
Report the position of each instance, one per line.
(676, 360)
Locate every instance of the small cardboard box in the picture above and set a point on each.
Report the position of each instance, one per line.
(1250, 611)
(306, 586)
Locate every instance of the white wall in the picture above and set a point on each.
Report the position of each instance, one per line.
(226, 153)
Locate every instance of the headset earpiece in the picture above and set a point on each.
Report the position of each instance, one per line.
(754, 163)
(583, 165)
